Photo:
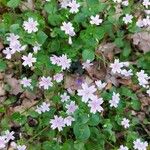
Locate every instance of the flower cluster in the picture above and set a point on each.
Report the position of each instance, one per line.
(43, 108)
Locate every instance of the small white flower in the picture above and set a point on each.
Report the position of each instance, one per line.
(71, 108)
(139, 145)
(65, 62)
(100, 85)
(2, 142)
(68, 120)
(64, 97)
(126, 73)
(17, 47)
(127, 19)
(55, 60)
(8, 52)
(30, 25)
(74, 6)
(21, 147)
(125, 123)
(43, 108)
(117, 1)
(26, 82)
(148, 92)
(58, 77)
(125, 3)
(57, 122)
(123, 147)
(139, 23)
(64, 3)
(87, 64)
(116, 66)
(115, 100)
(12, 38)
(87, 92)
(45, 82)
(68, 28)
(9, 135)
(28, 60)
(96, 20)
(36, 48)
(146, 3)
(95, 105)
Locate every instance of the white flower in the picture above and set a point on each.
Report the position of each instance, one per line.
(8, 52)
(45, 82)
(21, 147)
(87, 92)
(125, 123)
(57, 122)
(9, 135)
(146, 21)
(26, 82)
(127, 19)
(71, 108)
(36, 48)
(139, 23)
(86, 64)
(64, 97)
(70, 40)
(12, 37)
(68, 120)
(28, 60)
(43, 108)
(143, 78)
(96, 20)
(65, 62)
(116, 66)
(139, 145)
(74, 6)
(125, 3)
(100, 85)
(146, 3)
(117, 1)
(17, 47)
(58, 77)
(123, 148)
(55, 60)
(126, 73)
(95, 105)
(115, 100)
(30, 25)
(2, 142)
(64, 3)
(148, 92)
(68, 28)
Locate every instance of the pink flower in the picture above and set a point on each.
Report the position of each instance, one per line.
(100, 85)
(46, 82)
(43, 108)
(12, 37)
(74, 6)
(71, 108)
(21, 147)
(26, 82)
(30, 25)
(9, 135)
(68, 28)
(139, 145)
(127, 19)
(58, 77)
(64, 97)
(2, 142)
(68, 120)
(123, 148)
(125, 123)
(87, 92)
(96, 20)
(57, 122)
(115, 100)
(55, 60)
(29, 60)
(87, 64)
(8, 52)
(116, 66)
(95, 104)
(65, 63)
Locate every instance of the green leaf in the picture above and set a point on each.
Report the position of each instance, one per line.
(135, 104)
(51, 7)
(41, 37)
(79, 145)
(3, 65)
(82, 132)
(94, 120)
(13, 3)
(88, 55)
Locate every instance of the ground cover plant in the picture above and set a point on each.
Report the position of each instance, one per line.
(74, 74)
